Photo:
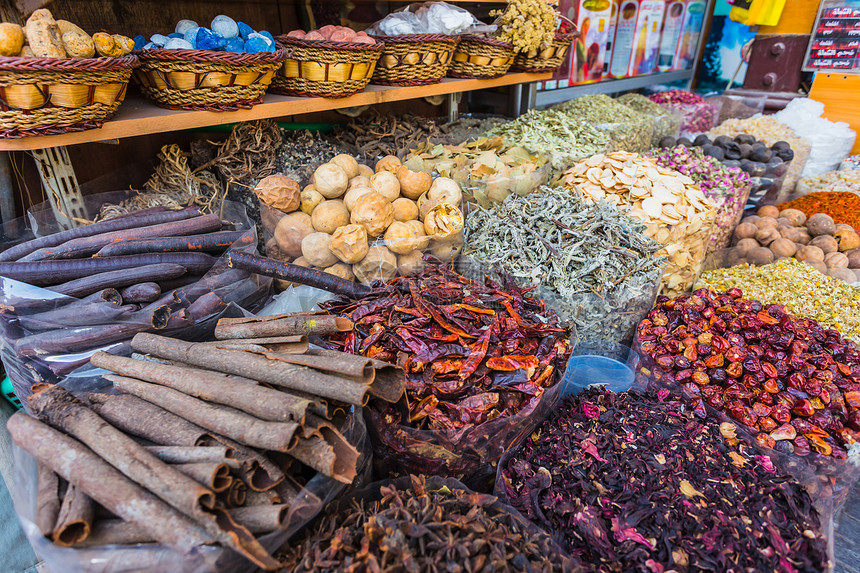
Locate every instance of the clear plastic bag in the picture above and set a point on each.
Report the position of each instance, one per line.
(152, 558)
(831, 142)
(738, 107)
(429, 18)
(55, 348)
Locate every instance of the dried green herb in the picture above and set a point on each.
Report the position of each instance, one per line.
(627, 130)
(433, 525)
(666, 123)
(555, 134)
(632, 482)
(594, 258)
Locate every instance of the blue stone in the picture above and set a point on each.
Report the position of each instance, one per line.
(178, 44)
(150, 46)
(140, 41)
(225, 25)
(234, 45)
(266, 34)
(158, 39)
(244, 30)
(176, 35)
(209, 40)
(256, 44)
(191, 35)
(184, 25)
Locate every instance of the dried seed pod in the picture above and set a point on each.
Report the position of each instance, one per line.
(310, 198)
(341, 270)
(353, 194)
(378, 264)
(445, 190)
(329, 215)
(405, 209)
(316, 248)
(388, 163)
(349, 243)
(386, 184)
(413, 183)
(400, 238)
(347, 163)
(291, 230)
(280, 192)
(443, 221)
(372, 211)
(330, 180)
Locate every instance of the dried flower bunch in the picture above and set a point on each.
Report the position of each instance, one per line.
(527, 24)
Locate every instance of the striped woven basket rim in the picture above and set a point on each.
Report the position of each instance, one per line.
(415, 38)
(212, 56)
(566, 35)
(329, 45)
(475, 38)
(101, 64)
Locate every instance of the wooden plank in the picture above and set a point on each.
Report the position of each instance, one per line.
(838, 93)
(141, 117)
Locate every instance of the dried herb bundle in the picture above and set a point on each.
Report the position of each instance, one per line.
(425, 526)
(627, 130)
(473, 354)
(573, 247)
(634, 483)
(554, 133)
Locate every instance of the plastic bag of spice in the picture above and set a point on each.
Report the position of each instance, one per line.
(153, 558)
(666, 122)
(52, 323)
(708, 484)
(494, 536)
(790, 384)
(483, 361)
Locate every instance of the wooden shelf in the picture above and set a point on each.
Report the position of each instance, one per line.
(141, 117)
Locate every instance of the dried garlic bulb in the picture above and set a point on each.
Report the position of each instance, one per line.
(443, 221)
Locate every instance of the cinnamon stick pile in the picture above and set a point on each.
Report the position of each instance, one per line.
(206, 443)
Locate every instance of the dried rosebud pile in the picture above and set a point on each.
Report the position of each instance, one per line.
(728, 187)
(429, 526)
(789, 380)
(699, 114)
(633, 483)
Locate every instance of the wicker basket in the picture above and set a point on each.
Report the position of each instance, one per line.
(414, 59)
(206, 80)
(481, 58)
(546, 60)
(320, 68)
(49, 96)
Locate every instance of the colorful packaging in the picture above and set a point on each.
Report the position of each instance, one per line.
(648, 25)
(610, 43)
(673, 27)
(592, 21)
(694, 18)
(625, 33)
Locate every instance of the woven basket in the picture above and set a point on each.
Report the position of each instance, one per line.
(206, 80)
(481, 58)
(546, 60)
(414, 59)
(49, 96)
(319, 68)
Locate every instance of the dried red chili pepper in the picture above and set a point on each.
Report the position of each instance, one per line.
(759, 358)
(482, 351)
